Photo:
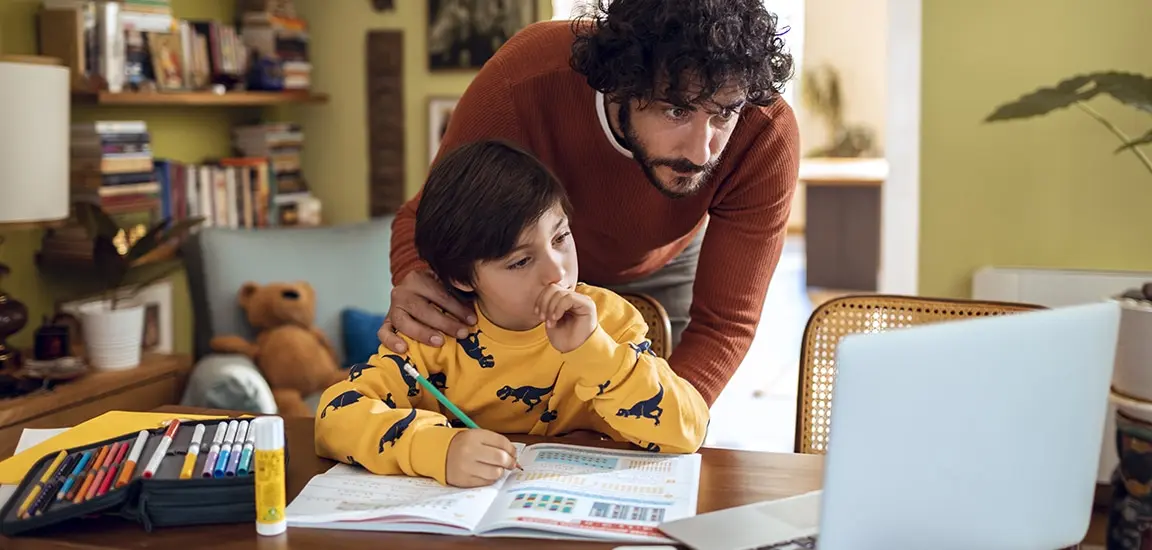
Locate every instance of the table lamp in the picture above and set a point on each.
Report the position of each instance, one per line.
(35, 111)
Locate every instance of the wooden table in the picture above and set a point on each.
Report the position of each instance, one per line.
(158, 381)
(727, 479)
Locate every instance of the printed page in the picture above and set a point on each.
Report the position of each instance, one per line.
(350, 497)
(585, 492)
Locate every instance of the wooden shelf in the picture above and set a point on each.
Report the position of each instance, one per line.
(229, 99)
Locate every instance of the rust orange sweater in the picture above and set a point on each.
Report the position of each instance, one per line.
(623, 227)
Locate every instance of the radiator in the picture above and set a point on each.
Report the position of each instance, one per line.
(1053, 287)
(1057, 288)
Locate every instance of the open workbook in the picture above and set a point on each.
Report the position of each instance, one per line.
(564, 491)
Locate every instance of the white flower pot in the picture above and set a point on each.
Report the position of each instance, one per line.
(1132, 376)
(112, 337)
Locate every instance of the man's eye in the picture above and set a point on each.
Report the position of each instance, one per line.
(677, 112)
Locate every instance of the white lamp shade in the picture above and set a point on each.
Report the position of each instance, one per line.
(35, 111)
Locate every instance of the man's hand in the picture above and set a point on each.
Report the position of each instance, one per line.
(569, 317)
(413, 313)
(477, 458)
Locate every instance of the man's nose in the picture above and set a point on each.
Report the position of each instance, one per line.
(699, 150)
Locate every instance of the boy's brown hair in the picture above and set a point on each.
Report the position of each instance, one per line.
(477, 201)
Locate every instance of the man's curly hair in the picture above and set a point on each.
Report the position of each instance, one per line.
(699, 46)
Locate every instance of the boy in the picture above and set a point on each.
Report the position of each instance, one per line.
(546, 356)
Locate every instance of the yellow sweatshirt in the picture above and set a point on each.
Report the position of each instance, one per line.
(511, 383)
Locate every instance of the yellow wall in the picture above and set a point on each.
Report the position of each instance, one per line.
(1045, 192)
(185, 134)
(336, 149)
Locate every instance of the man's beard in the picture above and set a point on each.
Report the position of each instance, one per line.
(687, 185)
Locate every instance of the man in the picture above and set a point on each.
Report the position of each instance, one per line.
(662, 119)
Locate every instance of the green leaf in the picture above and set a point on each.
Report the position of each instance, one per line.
(162, 271)
(110, 265)
(1045, 100)
(1146, 138)
(96, 221)
(148, 242)
(1131, 89)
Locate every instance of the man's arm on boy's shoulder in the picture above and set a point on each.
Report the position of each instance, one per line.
(635, 391)
(382, 419)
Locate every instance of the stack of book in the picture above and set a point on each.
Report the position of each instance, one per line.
(278, 40)
(282, 144)
(111, 166)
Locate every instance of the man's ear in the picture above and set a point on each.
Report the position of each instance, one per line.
(247, 290)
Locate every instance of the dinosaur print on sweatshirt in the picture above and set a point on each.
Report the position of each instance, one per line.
(343, 400)
(648, 408)
(395, 431)
(413, 390)
(472, 347)
(356, 370)
(642, 347)
(438, 380)
(530, 395)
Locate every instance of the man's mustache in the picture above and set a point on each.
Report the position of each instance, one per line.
(683, 166)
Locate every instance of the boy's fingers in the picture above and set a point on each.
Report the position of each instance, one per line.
(494, 456)
(502, 443)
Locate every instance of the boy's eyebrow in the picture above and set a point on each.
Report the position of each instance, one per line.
(520, 247)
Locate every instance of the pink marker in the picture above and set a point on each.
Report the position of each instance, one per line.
(217, 439)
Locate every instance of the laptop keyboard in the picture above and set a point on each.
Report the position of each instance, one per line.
(802, 543)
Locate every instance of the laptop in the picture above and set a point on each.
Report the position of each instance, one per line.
(981, 433)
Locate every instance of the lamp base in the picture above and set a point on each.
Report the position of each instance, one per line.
(13, 317)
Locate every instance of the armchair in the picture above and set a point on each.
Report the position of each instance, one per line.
(348, 265)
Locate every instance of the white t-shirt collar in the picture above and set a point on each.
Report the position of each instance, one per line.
(602, 114)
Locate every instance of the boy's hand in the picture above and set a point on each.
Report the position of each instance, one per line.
(569, 317)
(477, 458)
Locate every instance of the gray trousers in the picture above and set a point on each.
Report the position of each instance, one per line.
(671, 285)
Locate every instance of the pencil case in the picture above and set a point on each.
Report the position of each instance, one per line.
(162, 500)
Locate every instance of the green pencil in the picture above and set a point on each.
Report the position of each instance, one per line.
(443, 399)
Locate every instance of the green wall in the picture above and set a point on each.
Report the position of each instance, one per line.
(1045, 192)
(336, 152)
(336, 149)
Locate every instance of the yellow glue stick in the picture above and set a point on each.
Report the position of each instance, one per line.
(268, 457)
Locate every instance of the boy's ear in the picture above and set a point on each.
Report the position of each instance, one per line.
(462, 287)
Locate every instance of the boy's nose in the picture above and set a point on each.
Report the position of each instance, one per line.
(554, 271)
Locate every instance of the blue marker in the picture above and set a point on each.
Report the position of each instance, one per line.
(234, 460)
(75, 471)
(225, 449)
(245, 466)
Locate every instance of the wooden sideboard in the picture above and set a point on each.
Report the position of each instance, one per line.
(842, 221)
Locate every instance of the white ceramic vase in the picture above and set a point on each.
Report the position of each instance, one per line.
(112, 337)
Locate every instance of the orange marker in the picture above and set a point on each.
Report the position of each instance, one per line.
(130, 466)
(80, 493)
(116, 463)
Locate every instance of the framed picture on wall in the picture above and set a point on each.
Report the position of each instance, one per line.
(439, 113)
(464, 34)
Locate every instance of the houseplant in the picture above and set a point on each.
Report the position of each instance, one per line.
(1124, 452)
(113, 323)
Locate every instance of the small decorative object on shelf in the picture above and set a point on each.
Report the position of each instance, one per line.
(51, 341)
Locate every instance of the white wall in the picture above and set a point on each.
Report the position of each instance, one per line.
(851, 36)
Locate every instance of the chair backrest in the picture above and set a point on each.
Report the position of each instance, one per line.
(854, 314)
(347, 265)
(659, 326)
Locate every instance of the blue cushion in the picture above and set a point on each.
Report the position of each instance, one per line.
(359, 328)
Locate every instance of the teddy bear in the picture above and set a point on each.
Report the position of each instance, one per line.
(295, 356)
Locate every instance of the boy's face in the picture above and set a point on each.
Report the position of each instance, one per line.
(507, 288)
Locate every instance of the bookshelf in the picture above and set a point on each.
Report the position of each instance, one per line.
(205, 99)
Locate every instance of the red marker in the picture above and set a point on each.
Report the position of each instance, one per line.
(161, 449)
